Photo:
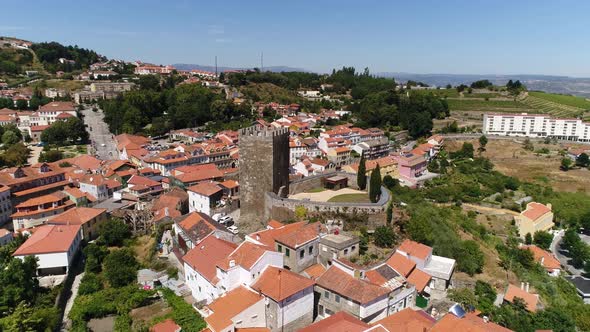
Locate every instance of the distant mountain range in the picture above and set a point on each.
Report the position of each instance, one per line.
(547, 83)
(276, 69)
(554, 84)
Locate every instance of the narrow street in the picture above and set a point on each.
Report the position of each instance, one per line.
(102, 140)
(70, 303)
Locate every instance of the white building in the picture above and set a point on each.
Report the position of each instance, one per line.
(204, 196)
(6, 236)
(54, 246)
(95, 185)
(536, 125)
(5, 204)
(440, 268)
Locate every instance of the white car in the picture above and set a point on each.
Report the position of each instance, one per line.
(233, 229)
(103, 145)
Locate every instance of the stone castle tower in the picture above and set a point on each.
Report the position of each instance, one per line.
(264, 167)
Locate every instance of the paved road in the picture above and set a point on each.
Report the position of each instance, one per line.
(35, 153)
(103, 142)
(559, 254)
(70, 303)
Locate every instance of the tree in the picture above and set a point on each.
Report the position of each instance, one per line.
(113, 232)
(51, 156)
(528, 238)
(384, 237)
(300, 212)
(463, 296)
(375, 185)
(486, 295)
(95, 255)
(528, 145)
(566, 164)
(120, 267)
(16, 155)
(583, 160)
(585, 221)
(420, 124)
(389, 182)
(469, 257)
(361, 174)
(543, 239)
(483, 141)
(9, 138)
(90, 283)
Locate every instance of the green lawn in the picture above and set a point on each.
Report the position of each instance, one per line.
(316, 190)
(562, 99)
(350, 198)
(482, 95)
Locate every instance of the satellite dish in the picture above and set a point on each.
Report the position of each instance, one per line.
(457, 310)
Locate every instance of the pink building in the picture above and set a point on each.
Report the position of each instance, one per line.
(411, 167)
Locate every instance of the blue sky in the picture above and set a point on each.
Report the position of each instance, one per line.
(458, 37)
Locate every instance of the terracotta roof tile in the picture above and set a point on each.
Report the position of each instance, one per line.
(49, 239)
(531, 300)
(245, 255)
(546, 259)
(166, 326)
(407, 320)
(535, 210)
(228, 306)
(401, 264)
(300, 236)
(346, 285)
(205, 188)
(268, 236)
(339, 322)
(415, 249)
(77, 216)
(420, 279)
(203, 257)
(469, 323)
(315, 271)
(279, 284)
(198, 225)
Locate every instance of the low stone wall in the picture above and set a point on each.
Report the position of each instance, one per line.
(317, 181)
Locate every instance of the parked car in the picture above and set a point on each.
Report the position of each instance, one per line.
(226, 220)
(233, 229)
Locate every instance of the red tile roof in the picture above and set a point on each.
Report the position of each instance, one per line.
(407, 320)
(228, 306)
(535, 210)
(138, 179)
(401, 264)
(315, 271)
(166, 326)
(469, 323)
(268, 236)
(415, 249)
(203, 257)
(545, 258)
(339, 322)
(275, 224)
(420, 279)
(77, 216)
(198, 225)
(245, 255)
(346, 285)
(49, 239)
(300, 236)
(531, 300)
(205, 188)
(57, 106)
(279, 284)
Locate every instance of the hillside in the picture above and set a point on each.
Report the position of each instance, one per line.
(268, 92)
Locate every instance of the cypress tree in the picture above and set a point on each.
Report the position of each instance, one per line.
(375, 185)
(361, 174)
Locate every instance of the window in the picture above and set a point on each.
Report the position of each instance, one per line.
(327, 295)
(337, 298)
(280, 248)
(345, 251)
(353, 247)
(321, 310)
(302, 254)
(310, 250)
(287, 252)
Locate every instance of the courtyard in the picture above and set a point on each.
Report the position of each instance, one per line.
(341, 195)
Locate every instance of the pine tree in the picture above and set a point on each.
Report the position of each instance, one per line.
(375, 185)
(361, 174)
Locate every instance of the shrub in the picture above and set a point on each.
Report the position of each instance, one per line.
(183, 313)
(89, 284)
(120, 267)
(384, 237)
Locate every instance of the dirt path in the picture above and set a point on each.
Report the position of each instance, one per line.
(489, 210)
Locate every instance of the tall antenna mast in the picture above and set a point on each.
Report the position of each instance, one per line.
(261, 61)
(216, 65)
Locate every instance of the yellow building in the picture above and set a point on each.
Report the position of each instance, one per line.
(387, 165)
(536, 217)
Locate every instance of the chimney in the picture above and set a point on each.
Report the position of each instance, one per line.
(257, 237)
(166, 212)
(232, 263)
(527, 287)
(522, 285)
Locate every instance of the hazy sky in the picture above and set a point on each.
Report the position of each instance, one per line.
(444, 36)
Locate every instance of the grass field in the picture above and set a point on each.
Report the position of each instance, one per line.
(350, 198)
(440, 92)
(573, 101)
(316, 190)
(491, 105)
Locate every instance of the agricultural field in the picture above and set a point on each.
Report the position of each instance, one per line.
(480, 104)
(509, 157)
(573, 101)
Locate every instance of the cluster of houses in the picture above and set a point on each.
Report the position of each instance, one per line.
(33, 123)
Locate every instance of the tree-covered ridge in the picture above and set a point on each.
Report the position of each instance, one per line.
(50, 53)
(15, 61)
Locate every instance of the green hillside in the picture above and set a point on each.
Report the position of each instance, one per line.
(573, 101)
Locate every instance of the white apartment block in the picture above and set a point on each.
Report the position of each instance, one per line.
(536, 125)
